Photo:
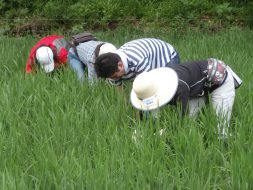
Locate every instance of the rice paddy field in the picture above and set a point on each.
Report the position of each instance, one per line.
(59, 133)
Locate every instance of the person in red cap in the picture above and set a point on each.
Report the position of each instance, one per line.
(49, 53)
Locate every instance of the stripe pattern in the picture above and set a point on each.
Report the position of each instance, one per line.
(146, 54)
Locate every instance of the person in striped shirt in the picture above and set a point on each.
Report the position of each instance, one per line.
(135, 57)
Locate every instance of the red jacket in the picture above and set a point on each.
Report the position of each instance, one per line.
(59, 46)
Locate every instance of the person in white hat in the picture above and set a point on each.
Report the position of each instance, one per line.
(84, 56)
(189, 85)
(49, 53)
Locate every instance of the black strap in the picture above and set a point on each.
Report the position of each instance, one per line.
(98, 49)
(81, 38)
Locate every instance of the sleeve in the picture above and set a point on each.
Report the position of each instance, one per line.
(182, 98)
(114, 82)
(63, 55)
(30, 62)
(143, 66)
(91, 72)
(28, 67)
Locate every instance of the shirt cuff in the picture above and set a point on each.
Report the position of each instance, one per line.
(114, 82)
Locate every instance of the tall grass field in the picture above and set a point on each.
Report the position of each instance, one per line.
(59, 133)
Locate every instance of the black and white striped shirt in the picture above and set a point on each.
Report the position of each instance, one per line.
(143, 55)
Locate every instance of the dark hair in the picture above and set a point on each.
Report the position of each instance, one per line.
(107, 64)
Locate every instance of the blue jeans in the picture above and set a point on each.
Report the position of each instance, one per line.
(76, 64)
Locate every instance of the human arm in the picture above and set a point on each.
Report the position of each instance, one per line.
(76, 64)
(117, 83)
(143, 66)
(28, 67)
(63, 56)
(181, 97)
(29, 64)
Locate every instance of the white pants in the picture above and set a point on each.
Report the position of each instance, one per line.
(222, 100)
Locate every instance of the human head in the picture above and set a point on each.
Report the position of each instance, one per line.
(45, 58)
(106, 48)
(108, 64)
(154, 89)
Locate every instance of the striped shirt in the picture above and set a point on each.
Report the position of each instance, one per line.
(143, 55)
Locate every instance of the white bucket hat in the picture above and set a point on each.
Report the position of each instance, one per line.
(106, 48)
(154, 89)
(45, 57)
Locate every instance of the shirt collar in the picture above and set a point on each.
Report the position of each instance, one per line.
(124, 60)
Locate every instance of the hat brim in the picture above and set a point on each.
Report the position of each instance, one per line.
(166, 81)
(49, 67)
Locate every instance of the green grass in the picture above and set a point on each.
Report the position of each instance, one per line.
(56, 133)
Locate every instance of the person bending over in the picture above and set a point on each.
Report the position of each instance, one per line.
(189, 85)
(135, 57)
(49, 53)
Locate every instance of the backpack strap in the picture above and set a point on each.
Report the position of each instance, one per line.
(81, 38)
(98, 49)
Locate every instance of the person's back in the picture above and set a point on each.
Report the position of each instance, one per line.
(155, 52)
(192, 75)
(87, 50)
(84, 56)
